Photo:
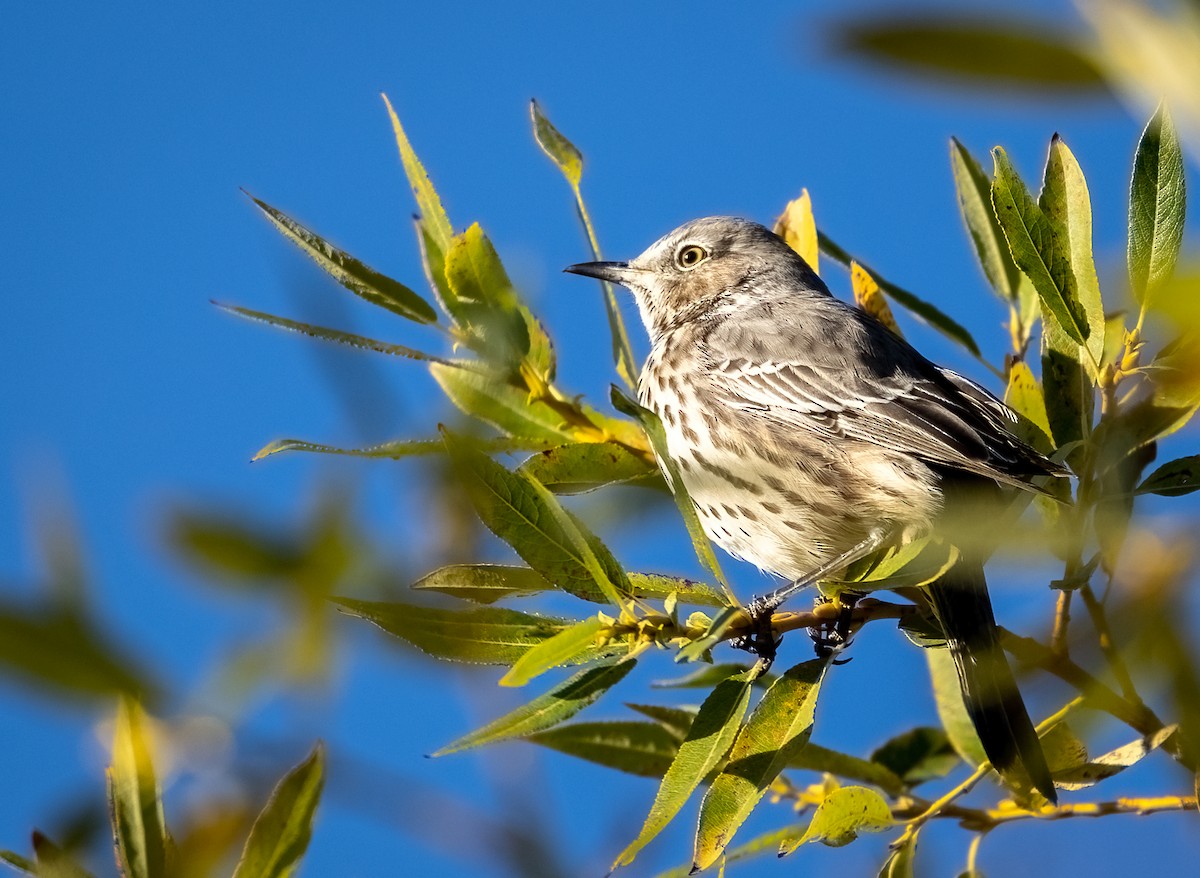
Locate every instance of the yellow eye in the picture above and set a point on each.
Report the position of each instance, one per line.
(691, 256)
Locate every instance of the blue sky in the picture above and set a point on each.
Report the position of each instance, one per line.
(125, 137)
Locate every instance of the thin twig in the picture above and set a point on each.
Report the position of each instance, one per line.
(1104, 634)
(1062, 620)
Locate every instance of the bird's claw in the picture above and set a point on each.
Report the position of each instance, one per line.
(761, 639)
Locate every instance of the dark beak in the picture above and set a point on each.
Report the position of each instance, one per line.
(616, 272)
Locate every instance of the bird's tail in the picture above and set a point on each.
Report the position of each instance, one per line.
(989, 689)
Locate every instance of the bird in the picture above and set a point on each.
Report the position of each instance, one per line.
(809, 436)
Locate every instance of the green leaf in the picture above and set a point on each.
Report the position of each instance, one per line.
(281, 833)
(1173, 479)
(336, 335)
(480, 635)
(358, 278)
(917, 755)
(676, 720)
(947, 694)
(586, 466)
(779, 727)
(757, 846)
(924, 311)
(642, 748)
(401, 448)
(707, 676)
(556, 706)
(899, 863)
(1088, 774)
(483, 583)
(1067, 388)
(658, 441)
(569, 160)
(708, 740)
(1064, 750)
(1157, 204)
(1067, 205)
(52, 860)
(654, 585)
(565, 647)
(698, 649)
(490, 398)
(433, 216)
(975, 203)
(814, 757)
(1037, 250)
(841, 816)
(18, 862)
(1024, 396)
(530, 519)
(962, 49)
(134, 804)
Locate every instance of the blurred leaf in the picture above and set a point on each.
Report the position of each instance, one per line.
(1036, 249)
(1067, 205)
(708, 740)
(569, 160)
(585, 466)
(975, 203)
(1173, 479)
(235, 550)
(335, 335)
(798, 227)
(1024, 396)
(556, 706)
(491, 399)
(134, 804)
(1016, 53)
(529, 518)
(18, 862)
(841, 816)
(642, 748)
(658, 441)
(951, 711)
(779, 727)
(899, 863)
(1157, 203)
(360, 279)
(482, 635)
(869, 298)
(281, 833)
(433, 215)
(814, 757)
(1088, 774)
(924, 311)
(401, 448)
(1063, 749)
(52, 860)
(62, 649)
(565, 647)
(484, 583)
(917, 755)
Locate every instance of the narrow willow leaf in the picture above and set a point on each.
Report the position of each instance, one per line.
(1111, 763)
(1037, 250)
(1157, 202)
(490, 398)
(756, 847)
(676, 720)
(987, 50)
(1068, 390)
(927, 313)
(433, 215)
(281, 832)
(484, 583)
(975, 203)
(1173, 479)
(1067, 205)
(479, 635)
(869, 297)
(798, 227)
(335, 335)
(565, 647)
(556, 706)
(18, 862)
(642, 748)
(586, 466)
(401, 448)
(530, 519)
(917, 755)
(814, 757)
(910, 566)
(658, 441)
(688, 591)
(707, 676)
(779, 727)
(134, 805)
(708, 740)
(569, 160)
(842, 815)
(360, 279)
(1024, 396)
(951, 711)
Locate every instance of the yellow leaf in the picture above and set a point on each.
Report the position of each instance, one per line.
(798, 227)
(869, 298)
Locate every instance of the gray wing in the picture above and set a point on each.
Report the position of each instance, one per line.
(823, 366)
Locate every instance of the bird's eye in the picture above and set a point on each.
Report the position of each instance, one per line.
(691, 256)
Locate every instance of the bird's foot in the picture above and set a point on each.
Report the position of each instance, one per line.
(761, 639)
(833, 636)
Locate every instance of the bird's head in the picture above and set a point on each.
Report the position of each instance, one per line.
(685, 272)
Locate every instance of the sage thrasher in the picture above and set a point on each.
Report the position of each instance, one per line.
(810, 436)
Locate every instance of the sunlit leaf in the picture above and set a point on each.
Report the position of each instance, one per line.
(134, 805)
(779, 727)
(1024, 396)
(798, 227)
(947, 693)
(433, 215)
(718, 631)
(585, 466)
(483, 583)
(688, 591)
(565, 647)
(842, 815)
(869, 297)
(768, 842)
(401, 448)
(561, 151)
(481, 635)
(814, 757)
(1069, 395)
(556, 706)
(1157, 202)
(281, 833)
(708, 740)
(1090, 773)
(642, 748)
(1173, 479)
(975, 203)
(360, 279)
(899, 863)
(491, 399)
(917, 755)
(1064, 750)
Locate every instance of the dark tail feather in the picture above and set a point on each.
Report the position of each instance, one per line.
(989, 688)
